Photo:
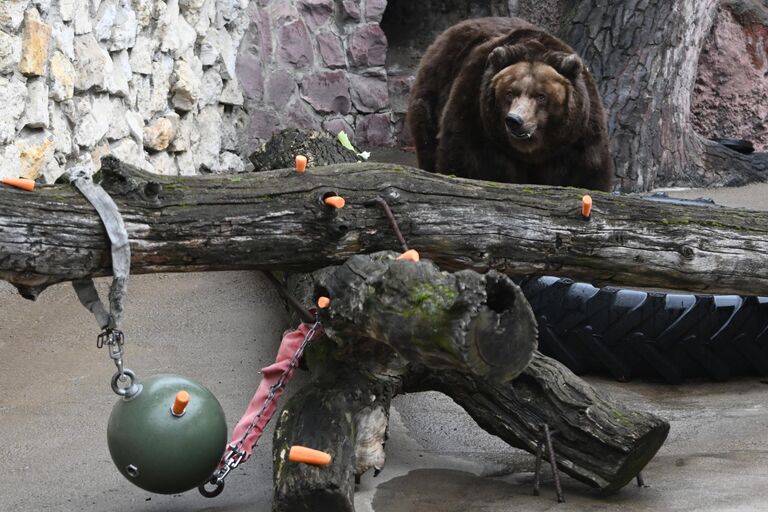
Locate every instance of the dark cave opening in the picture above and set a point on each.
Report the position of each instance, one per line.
(410, 26)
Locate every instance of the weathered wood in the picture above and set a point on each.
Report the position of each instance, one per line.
(276, 220)
(375, 348)
(344, 411)
(477, 324)
(598, 441)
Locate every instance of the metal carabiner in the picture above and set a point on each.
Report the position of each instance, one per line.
(216, 490)
(230, 461)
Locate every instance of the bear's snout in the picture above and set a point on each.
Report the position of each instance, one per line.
(514, 122)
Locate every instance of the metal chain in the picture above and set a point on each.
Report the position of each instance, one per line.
(234, 456)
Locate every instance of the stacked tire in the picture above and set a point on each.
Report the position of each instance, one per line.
(662, 336)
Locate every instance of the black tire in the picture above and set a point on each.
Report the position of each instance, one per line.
(629, 333)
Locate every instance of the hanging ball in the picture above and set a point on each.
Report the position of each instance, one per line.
(170, 437)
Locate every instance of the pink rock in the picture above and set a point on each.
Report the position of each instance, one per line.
(374, 10)
(350, 9)
(730, 93)
(250, 73)
(367, 46)
(331, 50)
(316, 12)
(373, 130)
(369, 92)
(264, 123)
(336, 124)
(327, 91)
(294, 44)
(281, 86)
(300, 115)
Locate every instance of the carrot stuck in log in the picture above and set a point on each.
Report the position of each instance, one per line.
(337, 202)
(301, 163)
(410, 255)
(323, 302)
(586, 207)
(308, 456)
(22, 183)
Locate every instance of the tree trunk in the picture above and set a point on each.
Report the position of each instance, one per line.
(644, 55)
(333, 413)
(276, 220)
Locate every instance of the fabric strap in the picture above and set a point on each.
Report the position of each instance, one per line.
(121, 254)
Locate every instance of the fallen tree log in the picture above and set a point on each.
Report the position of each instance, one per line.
(478, 324)
(277, 220)
(598, 442)
(380, 348)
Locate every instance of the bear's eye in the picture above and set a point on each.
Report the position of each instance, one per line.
(541, 99)
(510, 95)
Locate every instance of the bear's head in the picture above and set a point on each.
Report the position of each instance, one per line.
(534, 99)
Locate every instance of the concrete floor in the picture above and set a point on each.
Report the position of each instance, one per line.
(220, 328)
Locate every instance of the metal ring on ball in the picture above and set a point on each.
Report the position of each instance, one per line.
(216, 490)
(130, 389)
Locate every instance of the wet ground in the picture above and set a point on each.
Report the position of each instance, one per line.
(220, 328)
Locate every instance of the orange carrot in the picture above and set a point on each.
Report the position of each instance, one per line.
(301, 163)
(308, 456)
(335, 201)
(410, 255)
(180, 403)
(22, 183)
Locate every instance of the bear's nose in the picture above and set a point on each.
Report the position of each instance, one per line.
(514, 122)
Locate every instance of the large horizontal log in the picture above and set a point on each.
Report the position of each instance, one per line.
(276, 220)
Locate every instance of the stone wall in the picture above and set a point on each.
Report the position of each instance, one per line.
(189, 86)
(151, 81)
(731, 93)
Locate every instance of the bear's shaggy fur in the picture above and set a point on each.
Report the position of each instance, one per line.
(500, 99)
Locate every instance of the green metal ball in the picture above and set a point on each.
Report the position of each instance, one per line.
(160, 451)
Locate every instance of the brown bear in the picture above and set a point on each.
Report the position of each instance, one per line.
(502, 100)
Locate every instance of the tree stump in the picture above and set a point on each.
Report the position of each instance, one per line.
(320, 148)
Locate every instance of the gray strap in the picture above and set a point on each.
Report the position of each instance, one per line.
(121, 253)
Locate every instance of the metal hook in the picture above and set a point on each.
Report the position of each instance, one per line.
(131, 390)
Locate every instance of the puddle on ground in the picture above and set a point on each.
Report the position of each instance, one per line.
(443, 489)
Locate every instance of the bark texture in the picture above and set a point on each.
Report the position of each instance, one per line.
(598, 442)
(276, 220)
(381, 343)
(478, 324)
(644, 55)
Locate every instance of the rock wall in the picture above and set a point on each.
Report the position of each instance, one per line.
(349, 64)
(152, 81)
(731, 93)
(189, 86)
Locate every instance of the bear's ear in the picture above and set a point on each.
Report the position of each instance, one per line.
(569, 65)
(503, 56)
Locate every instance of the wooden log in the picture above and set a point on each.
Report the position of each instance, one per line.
(599, 442)
(276, 220)
(344, 412)
(477, 324)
